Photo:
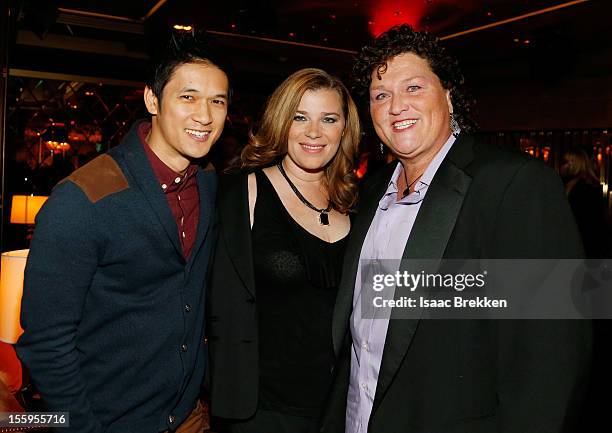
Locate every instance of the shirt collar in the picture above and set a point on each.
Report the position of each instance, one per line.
(168, 179)
(420, 188)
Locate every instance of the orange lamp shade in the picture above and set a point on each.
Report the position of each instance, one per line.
(12, 265)
(25, 207)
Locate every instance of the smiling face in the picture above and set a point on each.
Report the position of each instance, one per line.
(316, 130)
(191, 116)
(410, 109)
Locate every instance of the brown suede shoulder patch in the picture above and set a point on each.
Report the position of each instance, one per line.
(99, 178)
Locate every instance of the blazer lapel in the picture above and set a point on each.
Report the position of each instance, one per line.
(236, 228)
(141, 170)
(368, 204)
(428, 240)
(207, 184)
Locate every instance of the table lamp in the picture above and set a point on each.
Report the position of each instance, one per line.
(25, 207)
(12, 266)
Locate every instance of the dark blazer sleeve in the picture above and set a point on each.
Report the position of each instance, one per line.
(542, 364)
(61, 264)
(232, 329)
(534, 219)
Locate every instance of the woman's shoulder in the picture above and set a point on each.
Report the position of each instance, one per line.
(232, 180)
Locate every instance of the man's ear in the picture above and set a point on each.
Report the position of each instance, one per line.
(151, 101)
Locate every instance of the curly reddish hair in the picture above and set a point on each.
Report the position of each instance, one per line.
(403, 39)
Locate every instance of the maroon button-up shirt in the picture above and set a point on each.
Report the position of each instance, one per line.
(181, 192)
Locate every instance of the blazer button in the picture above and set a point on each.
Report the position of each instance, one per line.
(250, 300)
(187, 308)
(171, 419)
(183, 348)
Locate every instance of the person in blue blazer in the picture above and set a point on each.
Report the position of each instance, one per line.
(113, 302)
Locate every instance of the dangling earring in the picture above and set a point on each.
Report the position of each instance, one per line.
(382, 149)
(454, 126)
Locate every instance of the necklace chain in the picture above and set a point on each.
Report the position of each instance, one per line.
(407, 189)
(323, 217)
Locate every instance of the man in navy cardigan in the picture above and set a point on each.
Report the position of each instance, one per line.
(113, 303)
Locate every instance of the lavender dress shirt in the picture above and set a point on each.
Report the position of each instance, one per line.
(386, 239)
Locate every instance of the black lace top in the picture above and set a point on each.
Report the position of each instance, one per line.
(296, 278)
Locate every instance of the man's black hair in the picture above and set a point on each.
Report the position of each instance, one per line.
(183, 48)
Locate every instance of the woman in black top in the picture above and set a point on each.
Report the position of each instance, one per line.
(586, 200)
(283, 224)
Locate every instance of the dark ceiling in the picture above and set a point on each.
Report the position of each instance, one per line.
(112, 38)
(340, 24)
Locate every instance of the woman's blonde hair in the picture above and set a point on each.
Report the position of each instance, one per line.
(579, 165)
(268, 145)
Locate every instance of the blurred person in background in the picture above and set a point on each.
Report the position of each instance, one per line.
(589, 208)
(586, 200)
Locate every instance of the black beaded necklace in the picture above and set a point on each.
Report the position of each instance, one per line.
(323, 213)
